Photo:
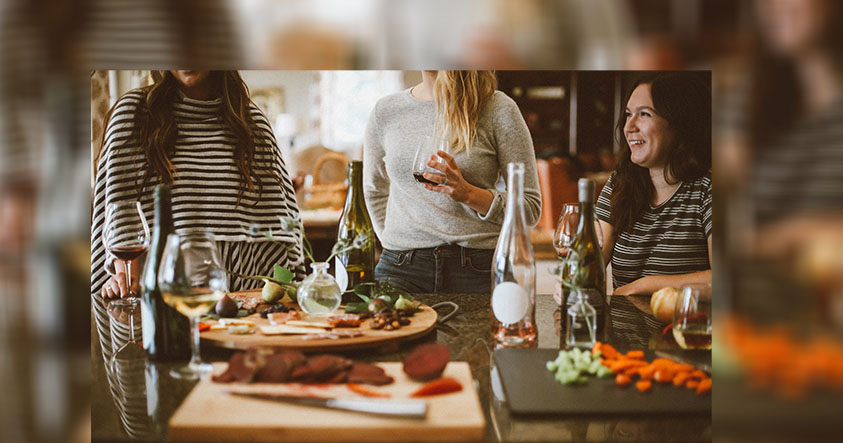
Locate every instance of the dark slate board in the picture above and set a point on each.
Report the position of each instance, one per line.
(530, 389)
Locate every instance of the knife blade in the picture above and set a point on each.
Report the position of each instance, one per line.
(679, 359)
(396, 408)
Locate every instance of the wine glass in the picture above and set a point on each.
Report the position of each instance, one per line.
(692, 317)
(428, 146)
(124, 327)
(126, 235)
(192, 280)
(566, 229)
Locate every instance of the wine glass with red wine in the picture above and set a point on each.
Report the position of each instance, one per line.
(428, 146)
(126, 235)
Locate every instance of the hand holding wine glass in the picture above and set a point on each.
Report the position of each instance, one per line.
(192, 280)
(125, 236)
(427, 147)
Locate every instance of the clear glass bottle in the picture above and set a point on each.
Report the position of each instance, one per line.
(318, 293)
(580, 322)
(514, 272)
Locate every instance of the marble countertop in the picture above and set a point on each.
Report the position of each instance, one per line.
(136, 403)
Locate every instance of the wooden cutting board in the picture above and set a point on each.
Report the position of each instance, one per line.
(530, 389)
(209, 413)
(420, 324)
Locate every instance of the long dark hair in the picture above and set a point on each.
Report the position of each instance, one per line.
(156, 129)
(684, 101)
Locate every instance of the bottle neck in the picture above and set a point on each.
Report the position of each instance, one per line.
(163, 214)
(586, 221)
(319, 267)
(355, 183)
(515, 197)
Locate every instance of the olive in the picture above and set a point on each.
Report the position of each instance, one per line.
(226, 307)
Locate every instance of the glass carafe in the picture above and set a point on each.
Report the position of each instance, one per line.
(319, 293)
(580, 322)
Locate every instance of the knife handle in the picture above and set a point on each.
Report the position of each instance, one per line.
(408, 408)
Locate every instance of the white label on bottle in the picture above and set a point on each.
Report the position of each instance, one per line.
(510, 302)
(340, 274)
(147, 324)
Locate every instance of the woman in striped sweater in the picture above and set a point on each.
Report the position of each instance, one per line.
(655, 210)
(198, 132)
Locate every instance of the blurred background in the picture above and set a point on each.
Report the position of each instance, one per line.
(778, 158)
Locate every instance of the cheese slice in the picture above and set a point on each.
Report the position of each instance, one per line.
(235, 321)
(308, 324)
(287, 329)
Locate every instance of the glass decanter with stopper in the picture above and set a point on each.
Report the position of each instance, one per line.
(319, 293)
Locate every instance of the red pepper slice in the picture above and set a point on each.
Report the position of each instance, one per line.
(204, 327)
(366, 391)
(439, 386)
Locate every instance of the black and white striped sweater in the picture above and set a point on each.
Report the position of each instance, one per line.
(204, 193)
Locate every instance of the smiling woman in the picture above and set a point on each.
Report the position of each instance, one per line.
(655, 210)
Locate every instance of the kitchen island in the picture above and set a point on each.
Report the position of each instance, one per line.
(137, 402)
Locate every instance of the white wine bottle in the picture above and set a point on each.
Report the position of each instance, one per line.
(514, 272)
(584, 268)
(357, 264)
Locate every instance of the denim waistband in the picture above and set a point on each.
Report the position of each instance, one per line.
(404, 256)
(445, 249)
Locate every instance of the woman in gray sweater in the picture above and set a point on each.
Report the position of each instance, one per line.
(440, 237)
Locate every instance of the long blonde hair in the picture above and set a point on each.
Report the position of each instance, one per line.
(460, 97)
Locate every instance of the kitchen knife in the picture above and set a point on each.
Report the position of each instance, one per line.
(697, 365)
(397, 408)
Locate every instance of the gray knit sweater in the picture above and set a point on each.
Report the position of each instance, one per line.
(408, 216)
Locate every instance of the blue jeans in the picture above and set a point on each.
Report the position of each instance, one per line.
(444, 269)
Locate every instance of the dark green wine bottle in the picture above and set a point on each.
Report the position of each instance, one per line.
(584, 266)
(355, 265)
(166, 333)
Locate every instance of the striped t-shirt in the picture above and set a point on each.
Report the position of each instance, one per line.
(668, 239)
(204, 193)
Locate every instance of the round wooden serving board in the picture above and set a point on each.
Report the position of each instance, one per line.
(422, 322)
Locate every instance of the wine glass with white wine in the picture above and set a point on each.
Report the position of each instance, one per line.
(192, 280)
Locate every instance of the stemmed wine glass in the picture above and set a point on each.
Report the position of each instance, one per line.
(427, 146)
(192, 279)
(566, 229)
(563, 239)
(126, 235)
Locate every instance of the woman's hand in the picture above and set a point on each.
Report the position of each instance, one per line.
(115, 287)
(636, 287)
(454, 185)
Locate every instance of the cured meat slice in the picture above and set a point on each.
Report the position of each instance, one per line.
(427, 361)
(366, 373)
(277, 367)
